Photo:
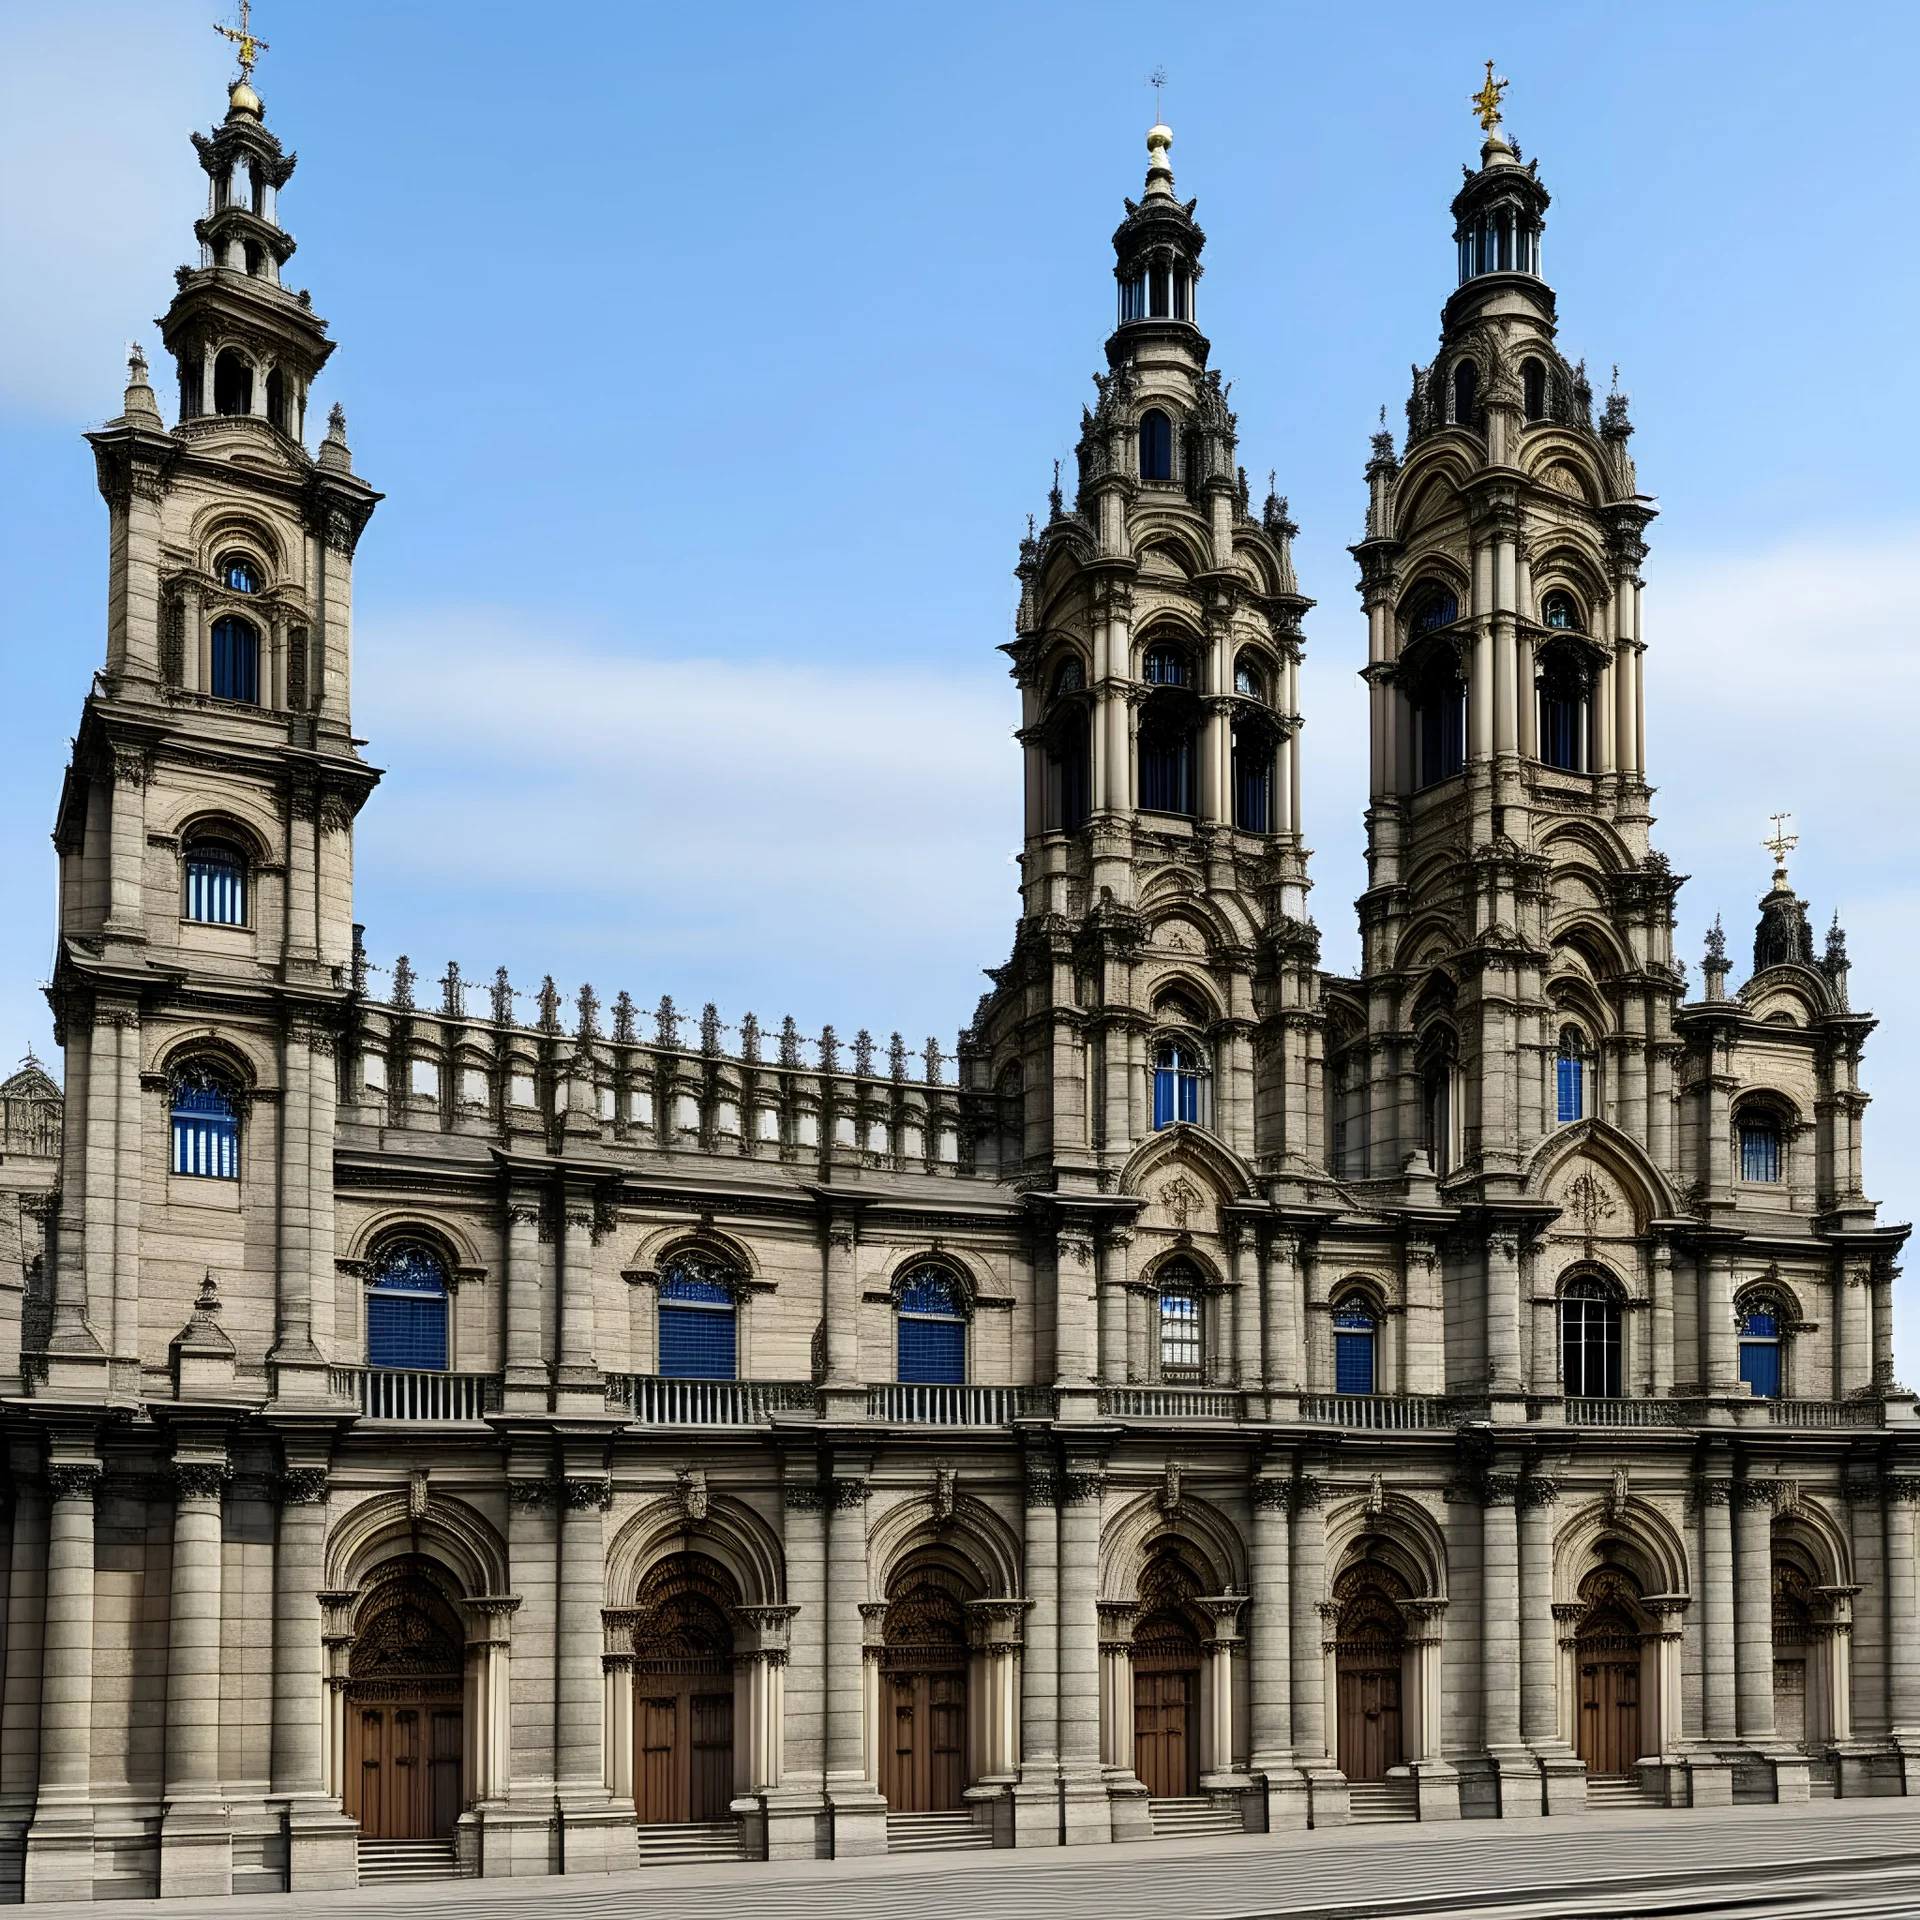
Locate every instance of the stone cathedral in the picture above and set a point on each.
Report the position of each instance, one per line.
(1223, 1395)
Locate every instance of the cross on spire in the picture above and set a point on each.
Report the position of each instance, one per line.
(1156, 80)
(242, 36)
(1780, 842)
(1486, 103)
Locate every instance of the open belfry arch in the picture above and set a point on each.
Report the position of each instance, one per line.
(508, 1436)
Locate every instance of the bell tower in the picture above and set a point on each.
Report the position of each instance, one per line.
(205, 834)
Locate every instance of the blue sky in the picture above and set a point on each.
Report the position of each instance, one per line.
(712, 358)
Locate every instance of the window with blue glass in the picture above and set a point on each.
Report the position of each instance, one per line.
(932, 1329)
(1166, 765)
(1166, 667)
(206, 1126)
(236, 661)
(1435, 608)
(407, 1309)
(1570, 1077)
(1590, 1340)
(1252, 780)
(1182, 1328)
(1177, 1077)
(1759, 1147)
(1354, 1331)
(216, 884)
(1760, 1350)
(699, 1321)
(1439, 700)
(238, 574)
(1156, 446)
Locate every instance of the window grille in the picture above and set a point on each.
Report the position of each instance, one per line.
(407, 1310)
(1759, 1150)
(1570, 1079)
(238, 574)
(932, 1334)
(206, 1128)
(1181, 1345)
(1176, 1085)
(216, 884)
(1165, 667)
(1590, 1342)
(699, 1323)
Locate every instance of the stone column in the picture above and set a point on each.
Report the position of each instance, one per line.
(1660, 1330)
(859, 1813)
(526, 1381)
(1903, 1625)
(1116, 1683)
(59, 1861)
(596, 1834)
(577, 1376)
(1283, 1318)
(1269, 1661)
(1226, 1609)
(1717, 1343)
(489, 1698)
(533, 1550)
(1036, 1798)
(795, 1810)
(1717, 1613)
(1515, 1772)
(1539, 1702)
(1503, 1313)
(1753, 1608)
(1073, 1335)
(196, 1834)
(873, 1653)
(1083, 1790)
(1313, 1623)
(1668, 1609)
(25, 1624)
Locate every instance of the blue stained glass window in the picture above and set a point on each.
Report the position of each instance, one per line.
(1760, 1352)
(1176, 1086)
(407, 1310)
(1156, 443)
(1759, 1150)
(206, 1127)
(699, 1325)
(1353, 1331)
(236, 661)
(1439, 609)
(1165, 667)
(1571, 1079)
(239, 575)
(933, 1333)
(216, 884)
(1180, 1329)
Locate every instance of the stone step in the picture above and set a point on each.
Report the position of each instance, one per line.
(1186, 1816)
(387, 1863)
(935, 1832)
(678, 1842)
(1376, 1801)
(1615, 1793)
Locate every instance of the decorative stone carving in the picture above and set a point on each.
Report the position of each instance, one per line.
(531, 1495)
(1082, 1486)
(302, 1487)
(690, 1493)
(201, 1479)
(588, 1495)
(67, 1481)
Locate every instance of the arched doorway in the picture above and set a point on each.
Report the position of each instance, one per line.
(1794, 1637)
(1369, 1651)
(683, 1692)
(1606, 1658)
(1166, 1680)
(923, 1693)
(405, 1675)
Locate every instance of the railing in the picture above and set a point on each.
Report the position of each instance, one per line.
(396, 1393)
(1380, 1411)
(653, 1401)
(1826, 1413)
(923, 1406)
(1169, 1403)
(1627, 1413)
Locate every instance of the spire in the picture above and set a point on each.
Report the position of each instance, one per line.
(1783, 938)
(1500, 211)
(1157, 252)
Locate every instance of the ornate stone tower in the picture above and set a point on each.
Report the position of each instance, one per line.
(1517, 971)
(205, 830)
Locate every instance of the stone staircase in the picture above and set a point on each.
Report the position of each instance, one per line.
(935, 1832)
(1376, 1802)
(396, 1863)
(1188, 1818)
(681, 1842)
(1619, 1793)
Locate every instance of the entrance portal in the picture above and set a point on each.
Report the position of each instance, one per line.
(1369, 1650)
(1793, 1641)
(923, 1695)
(683, 1693)
(1606, 1654)
(403, 1709)
(1166, 1682)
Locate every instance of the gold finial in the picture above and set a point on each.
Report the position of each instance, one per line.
(1780, 842)
(242, 37)
(1486, 103)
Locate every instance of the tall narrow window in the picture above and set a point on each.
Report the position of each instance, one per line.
(206, 1126)
(1156, 446)
(407, 1309)
(1466, 393)
(698, 1322)
(1182, 1341)
(1437, 1109)
(236, 661)
(1558, 611)
(1570, 1077)
(1759, 1148)
(1176, 1084)
(1252, 780)
(1165, 666)
(216, 884)
(932, 1331)
(1439, 699)
(1590, 1341)
(1533, 381)
(1166, 765)
(1073, 771)
(1564, 689)
(1247, 680)
(232, 384)
(1760, 1351)
(1354, 1328)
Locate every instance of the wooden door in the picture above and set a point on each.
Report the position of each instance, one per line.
(405, 1773)
(1610, 1710)
(657, 1776)
(443, 1771)
(710, 1785)
(1790, 1700)
(1166, 1746)
(683, 1753)
(1369, 1706)
(926, 1757)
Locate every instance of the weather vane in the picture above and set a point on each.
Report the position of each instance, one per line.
(1156, 80)
(1780, 842)
(243, 38)
(1486, 103)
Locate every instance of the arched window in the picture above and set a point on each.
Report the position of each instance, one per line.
(1760, 1341)
(277, 399)
(1177, 1078)
(1760, 1155)
(238, 574)
(1072, 766)
(1560, 610)
(1590, 1341)
(1253, 779)
(1466, 392)
(1156, 445)
(1438, 1119)
(1570, 1077)
(1182, 1335)
(1438, 695)
(1166, 764)
(1438, 608)
(1248, 681)
(1166, 666)
(216, 884)
(932, 1331)
(407, 1309)
(1354, 1331)
(206, 1125)
(1533, 381)
(236, 661)
(698, 1321)
(1069, 676)
(1564, 687)
(232, 384)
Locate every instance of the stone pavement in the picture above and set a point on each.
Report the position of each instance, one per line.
(1827, 1858)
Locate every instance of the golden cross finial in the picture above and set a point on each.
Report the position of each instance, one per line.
(243, 38)
(1780, 842)
(1486, 103)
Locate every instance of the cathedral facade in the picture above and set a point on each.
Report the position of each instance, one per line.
(1221, 1396)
